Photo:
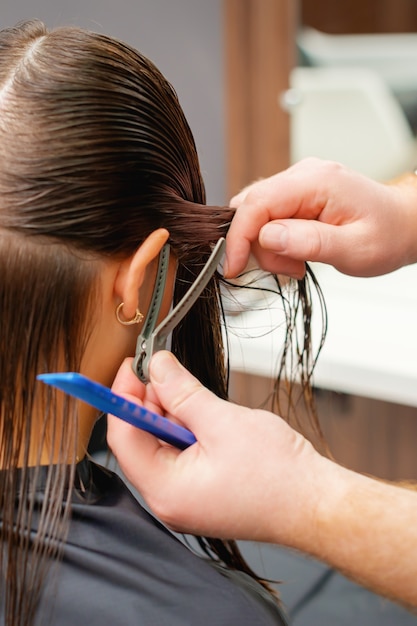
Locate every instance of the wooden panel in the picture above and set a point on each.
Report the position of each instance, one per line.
(366, 435)
(360, 16)
(260, 51)
(370, 436)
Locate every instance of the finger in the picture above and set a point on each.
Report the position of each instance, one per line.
(240, 197)
(274, 263)
(243, 231)
(183, 396)
(149, 465)
(281, 265)
(262, 205)
(127, 441)
(135, 449)
(146, 462)
(305, 240)
(126, 382)
(325, 243)
(301, 191)
(152, 401)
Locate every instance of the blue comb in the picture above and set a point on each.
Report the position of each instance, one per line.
(105, 400)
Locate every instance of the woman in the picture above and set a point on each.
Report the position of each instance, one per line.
(98, 168)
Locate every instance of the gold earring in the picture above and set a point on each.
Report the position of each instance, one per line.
(136, 319)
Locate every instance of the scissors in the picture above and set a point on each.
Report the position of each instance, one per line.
(152, 339)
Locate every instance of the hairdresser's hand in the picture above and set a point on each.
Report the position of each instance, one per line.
(342, 218)
(248, 476)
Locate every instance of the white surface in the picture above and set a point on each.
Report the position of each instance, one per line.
(393, 56)
(371, 345)
(349, 115)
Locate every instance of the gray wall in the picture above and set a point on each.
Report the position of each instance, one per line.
(182, 37)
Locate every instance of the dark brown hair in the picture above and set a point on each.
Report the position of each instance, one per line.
(95, 154)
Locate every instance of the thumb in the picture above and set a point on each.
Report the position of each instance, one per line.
(303, 240)
(180, 393)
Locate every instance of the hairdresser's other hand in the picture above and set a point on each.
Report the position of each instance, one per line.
(322, 211)
(248, 476)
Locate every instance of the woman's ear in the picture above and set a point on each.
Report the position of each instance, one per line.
(132, 272)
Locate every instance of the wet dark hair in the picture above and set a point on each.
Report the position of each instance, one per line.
(95, 154)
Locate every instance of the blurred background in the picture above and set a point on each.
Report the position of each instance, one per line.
(351, 70)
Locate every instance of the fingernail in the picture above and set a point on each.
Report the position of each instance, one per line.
(163, 366)
(274, 237)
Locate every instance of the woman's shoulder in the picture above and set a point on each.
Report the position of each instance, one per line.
(123, 566)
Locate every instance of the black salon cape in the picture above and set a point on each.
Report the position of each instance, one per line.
(121, 567)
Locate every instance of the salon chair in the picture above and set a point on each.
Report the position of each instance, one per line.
(348, 114)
